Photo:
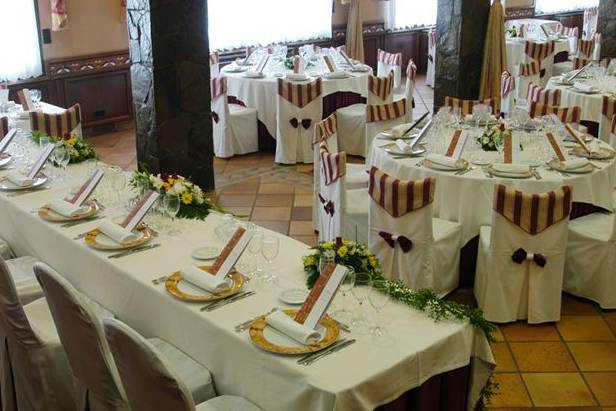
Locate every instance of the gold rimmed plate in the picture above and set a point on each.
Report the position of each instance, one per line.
(96, 239)
(603, 153)
(188, 292)
(272, 340)
(506, 174)
(46, 214)
(38, 182)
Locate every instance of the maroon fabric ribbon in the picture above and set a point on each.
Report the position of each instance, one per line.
(328, 205)
(405, 243)
(215, 117)
(305, 123)
(520, 255)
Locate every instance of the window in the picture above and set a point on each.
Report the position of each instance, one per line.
(19, 41)
(406, 13)
(553, 6)
(240, 23)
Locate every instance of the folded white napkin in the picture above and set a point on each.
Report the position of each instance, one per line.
(445, 161)
(116, 232)
(19, 179)
(574, 163)
(511, 168)
(403, 146)
(203, 279)
(297, 76)
(398, 131)
(66, 209)
(583, 86)
(286, 325)
(336, 74)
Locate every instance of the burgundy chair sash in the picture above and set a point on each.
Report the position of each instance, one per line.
(405, 243)
(328, 205)
(530, 69)
(332, 164)
(382, 112)
(400, 197)
(299, 94)
(539, 51)
(56, 125)
(541, 95)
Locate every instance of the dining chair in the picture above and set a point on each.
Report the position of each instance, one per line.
(521, 257)
(343, 213)
(507, 92)
(525, 74)
(466, 106)
(597, 38)
(585, 49)
(565, 114)
(409, 89)
(538, 94)
(96, 376)
(214, 64)
(57, 125)
(573, 34)
(299, 109)
(613, 133)
(608, 109)
(34, 372)
(389, 62)
(431, 58)
(234, 126)
(412, 246)
(150, 380)
(4, 126)
(379, 118)
(352, 119)
(543, 53)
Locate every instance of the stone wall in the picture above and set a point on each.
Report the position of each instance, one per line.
(607, 27)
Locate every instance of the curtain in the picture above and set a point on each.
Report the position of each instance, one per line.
(406, 13)
(355, 31)
(553, 6)
(494, 54)
(123, 11)
(240, 23)
(59, 18)
(19, 41)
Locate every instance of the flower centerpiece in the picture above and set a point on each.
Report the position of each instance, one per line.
(492, 137)
(194, 204)
(78, 149)
(511, 32)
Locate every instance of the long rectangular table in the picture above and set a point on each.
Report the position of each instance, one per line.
(360, 377)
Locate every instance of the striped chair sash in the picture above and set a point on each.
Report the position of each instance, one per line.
(432, 39)
(56, 125)
(539, 51)
(411, 70)
(530, 69)
(605, 62)
(393, 59)
(4, 126)
(325, 128)
(578, 62)
(299, 94)
(400, 197)
(218, 87)
(608, 107)
(466, 106)
(541, 95)
(585, 48)
(565, 114)
(533, 213)
(507, 83)
(613, 128)
(333, 165)
(569, 31)
(381, 86)
(382, 112)
(214, 58)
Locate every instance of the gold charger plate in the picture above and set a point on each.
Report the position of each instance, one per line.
(603, 154)
(92, 241)
(171, 284)
(46, 214)
(332, 329)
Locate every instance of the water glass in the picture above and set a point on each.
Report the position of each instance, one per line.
(62, 158)
(361, 290)
(226, 229)
(254, 249)
(346, 285)
(270, 246)
(378, 298)
(172, 205)
(325, 259)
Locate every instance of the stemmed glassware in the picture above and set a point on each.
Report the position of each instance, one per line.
(270, 246)
(172, 205)
(62, 158)
(254, 249)
(346, 285)
(117, 182)
(378, 298)
(361, 290)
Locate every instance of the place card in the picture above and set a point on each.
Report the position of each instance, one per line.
(558, 149)
(40, 162)
(6, 140)
(511, 149)
(231, 253)
(321, 295)
(140, 210)
(87, 189)
(262, 64)
(25, 100)
(297, 64)
(329, 63)
(571, 132)
(456, 146)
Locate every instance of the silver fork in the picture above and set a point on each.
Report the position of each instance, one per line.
(246, 324)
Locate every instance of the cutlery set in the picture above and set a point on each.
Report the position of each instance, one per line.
(134, 250)
(315, 356)
(231, 299)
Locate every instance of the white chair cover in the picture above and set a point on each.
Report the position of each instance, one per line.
(409, 88)
(525, 74)
(380, 118)
(234, 127)
(35, 374)
(527, 230)
(299, 109)
(589, 23)
(421, 251)
(214, 64)
(5, 250)
(28, 289)
(608, 110)
(591, 258)
(431, 58)
(543, 53)
(596, 54)
(388, 62)
(508, 91)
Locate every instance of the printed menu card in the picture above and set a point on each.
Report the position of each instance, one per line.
(87, 189)
(25, 99)
(140, 210)
(321, 295)
(456, 146)
(6, 140)
(329, 63)
(231, 253)
(346, 58)
(578, 139)
(557, 147)
(511, 149)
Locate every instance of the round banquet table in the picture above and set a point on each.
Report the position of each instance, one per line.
(590, 103)
(516, 54)
(467, 198)
(261, 93)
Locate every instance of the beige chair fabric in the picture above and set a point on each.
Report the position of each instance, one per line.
(149, 379)
(5, 249)
(35, 374)
(28, 289)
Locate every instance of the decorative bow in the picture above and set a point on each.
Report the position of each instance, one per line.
(328, 205)
(405, 243)
(305, 123)
(520, 255)
(215, 117)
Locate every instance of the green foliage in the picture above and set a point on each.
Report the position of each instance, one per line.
(78, 149)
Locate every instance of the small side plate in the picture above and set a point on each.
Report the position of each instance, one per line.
(206, 253)
(293, 296)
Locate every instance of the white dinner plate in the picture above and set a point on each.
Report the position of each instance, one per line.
(293, 296)
(297, 77)
(234, 69)
(360, 68)
(253, 75)
(555, 164)
(5, 159)
(206, 253)
(440, 167)
(396, 151)
(191, 289)
(106, 241)
(336, 76)
(39, 181)
(593, 90)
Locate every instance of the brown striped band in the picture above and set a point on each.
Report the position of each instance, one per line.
(381, 86)
(299, 94)
(56, 125)
(325, 128)
(565, 114)
(382, 112)
(466, 106)
(400, 197)
(4, 126)
(218, 87)
(541, 95)
(507, 84)
(333, 165)
(393, 59)
(530, 69)
(539, 51)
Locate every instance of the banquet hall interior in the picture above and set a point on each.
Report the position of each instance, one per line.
(235, 205)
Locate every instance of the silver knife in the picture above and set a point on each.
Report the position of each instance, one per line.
(333, 350)
(307, 357)
(229, 301)
(214, 303)
(134, 250)
(83, 220)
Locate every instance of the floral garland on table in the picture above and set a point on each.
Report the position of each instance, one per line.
(492, 137)
(358, 256)
(194, 204)
(78, 149)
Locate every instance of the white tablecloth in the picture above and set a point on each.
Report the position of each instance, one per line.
(360, 377)
(590, 104)
(467, 198)
(516, 55)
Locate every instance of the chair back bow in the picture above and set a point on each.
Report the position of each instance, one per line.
(328, 205)
(405, 243)
(520, 255)
(215, 117)
(306, 122)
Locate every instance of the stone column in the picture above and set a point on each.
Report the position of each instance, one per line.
(460, 34)
(606, 25)
(170, 75)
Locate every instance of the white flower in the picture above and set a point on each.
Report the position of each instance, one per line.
(178, 188)
(156, 181)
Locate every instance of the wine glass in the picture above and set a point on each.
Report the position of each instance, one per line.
(325, 259)
(172, 205)
(270, 246)
(62, 158)
(254, 249)
(226, 229)
(346, 285)
(378, 298)
(456, 114)
(118, 182)
(35, 95)
(361, 289)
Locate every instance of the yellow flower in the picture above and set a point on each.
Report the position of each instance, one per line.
(328, 245)
(166, 186)
(342, 251)
(187, 197)
(372, 260)
(310, 260)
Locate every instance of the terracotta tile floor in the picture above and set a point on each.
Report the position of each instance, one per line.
(566, 366)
